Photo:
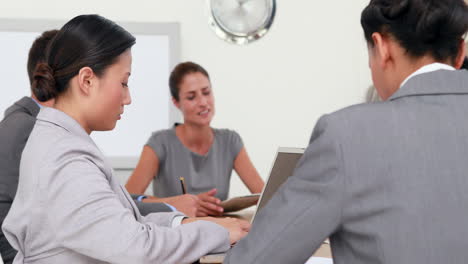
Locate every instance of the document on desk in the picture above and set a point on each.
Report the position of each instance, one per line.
(213, 258)
(317, 260)
(239, 203)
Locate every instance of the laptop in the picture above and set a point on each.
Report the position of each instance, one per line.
(283, 166)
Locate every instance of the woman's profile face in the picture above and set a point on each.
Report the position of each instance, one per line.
(112, 93)
(196, 101)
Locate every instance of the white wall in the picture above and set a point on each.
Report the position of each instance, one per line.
(313, 61)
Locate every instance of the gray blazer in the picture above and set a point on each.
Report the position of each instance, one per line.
(387, 182)
(70, 209)
(17, 123)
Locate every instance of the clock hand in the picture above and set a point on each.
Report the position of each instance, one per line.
(242, 2)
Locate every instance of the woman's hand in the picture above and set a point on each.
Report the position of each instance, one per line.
(209, 204)
(237, 228)
(188, 204)
(203, 204)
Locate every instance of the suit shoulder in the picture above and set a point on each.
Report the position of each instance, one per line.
(356, 119)
(74, 145)
(19, 116)
(68, 150)
(161, 134)
(360, 112)
(357, 110)
(226, 133)
(17, 123)
(58, 143)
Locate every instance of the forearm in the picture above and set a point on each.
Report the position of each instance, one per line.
(247, 172)
(254, 183)
(102, 220)
(134, 186)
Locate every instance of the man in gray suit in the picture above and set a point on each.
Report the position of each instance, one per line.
(386, 181)
(15, 128)
(17, 123)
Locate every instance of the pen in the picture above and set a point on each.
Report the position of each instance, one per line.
(182, 184)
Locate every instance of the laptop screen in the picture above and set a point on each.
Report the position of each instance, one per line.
(283, 167)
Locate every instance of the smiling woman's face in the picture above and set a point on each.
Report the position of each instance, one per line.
(196, 101)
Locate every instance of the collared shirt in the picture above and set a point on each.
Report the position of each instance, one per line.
(38, 104)
(429, 68)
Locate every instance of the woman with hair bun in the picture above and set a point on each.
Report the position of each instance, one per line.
(386, 182)
(68, 207)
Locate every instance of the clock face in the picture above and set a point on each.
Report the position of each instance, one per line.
(241, 21)
(241, 17)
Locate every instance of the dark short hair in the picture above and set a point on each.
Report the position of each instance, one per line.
(85, 41)
(422, 27)
(38, 50)
(178, 74)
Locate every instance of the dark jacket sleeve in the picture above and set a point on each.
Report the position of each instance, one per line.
(148, 208)
(14, 133)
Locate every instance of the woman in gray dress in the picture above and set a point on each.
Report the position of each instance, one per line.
(203, 155)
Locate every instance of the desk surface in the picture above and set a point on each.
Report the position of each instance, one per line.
(323, 251)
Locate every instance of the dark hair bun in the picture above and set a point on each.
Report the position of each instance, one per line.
(395, 10)
(85, 41)
(43, 85)
(422, 27)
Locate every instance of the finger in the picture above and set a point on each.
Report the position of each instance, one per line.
(192, 197)
(212, 207)
(204, 210)
(211, 212)
(245, 225)
(202, 213)
(242, 224)
(211, 192)
(210, 199)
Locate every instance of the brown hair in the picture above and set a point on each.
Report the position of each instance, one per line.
(38, 50)
(178, 74)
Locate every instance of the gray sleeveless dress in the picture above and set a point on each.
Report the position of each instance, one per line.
(201, 172)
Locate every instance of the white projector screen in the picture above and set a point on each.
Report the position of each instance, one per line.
(154, 56)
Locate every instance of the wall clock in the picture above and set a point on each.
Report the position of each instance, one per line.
(241, 21)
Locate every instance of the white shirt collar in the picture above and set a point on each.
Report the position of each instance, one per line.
(428, 68)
